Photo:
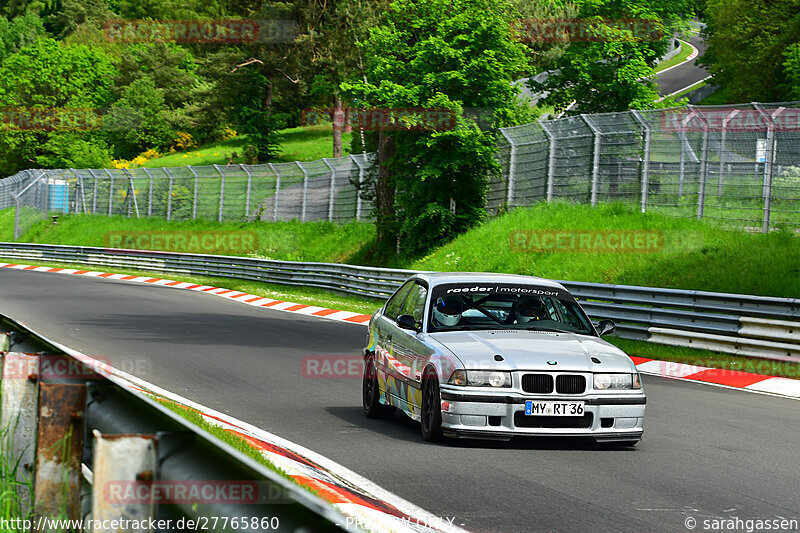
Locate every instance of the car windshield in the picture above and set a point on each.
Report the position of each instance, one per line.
(482, 306)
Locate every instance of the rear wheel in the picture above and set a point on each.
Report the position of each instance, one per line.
(371, 394)
(431, 416)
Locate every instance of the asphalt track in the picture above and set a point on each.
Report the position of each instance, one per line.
(685, 75)
(707, 452)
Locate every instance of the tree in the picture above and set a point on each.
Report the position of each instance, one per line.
(18, 33)
(47, 80)
(748, 42)
(451, 55)
(609, 68)
(137, 121)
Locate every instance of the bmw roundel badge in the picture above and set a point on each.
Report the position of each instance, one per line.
(552, 363)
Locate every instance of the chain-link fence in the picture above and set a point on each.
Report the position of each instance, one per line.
(740, 164)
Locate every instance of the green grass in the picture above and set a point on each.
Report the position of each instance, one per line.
(696, 254)
(690, 89)
(7, 224)
(718, 97)
(305, 143)
(290, 241)
(680, 57)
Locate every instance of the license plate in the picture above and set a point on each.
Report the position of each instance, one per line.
(536, 408)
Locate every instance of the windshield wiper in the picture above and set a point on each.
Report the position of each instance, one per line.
(551, 329)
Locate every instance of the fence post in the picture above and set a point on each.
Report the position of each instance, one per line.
(132, 195)
(724, 134)
(646, 161)
(682, 168)
(78, 187)
(305, 191)
(16, 216)
(196, 184)
(19, 415)
(149, 192)
(110, 190)
(551, 159)
(512, 168)
(94, 192)
(46, 194)
(169, 192)
(595, 156)
(249, 186)
(277, 191)
(701, 193)
(221, 191)
(332, 188)
(59, 444)
(360, 182)
(127, 460)
(768, 163)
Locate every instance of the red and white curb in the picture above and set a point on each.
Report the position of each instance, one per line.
(735, 379)
(712, 376)
(243, 297)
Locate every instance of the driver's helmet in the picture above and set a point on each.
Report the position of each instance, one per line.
(447, 311)
(530, 308)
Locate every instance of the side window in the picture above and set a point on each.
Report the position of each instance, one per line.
(569, 315)
(395, 303)
(415, 303)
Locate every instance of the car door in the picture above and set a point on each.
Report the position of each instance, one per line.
(410, 355)
(383, 327)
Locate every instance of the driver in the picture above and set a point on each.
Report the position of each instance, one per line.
(530, 308)
(448, 310)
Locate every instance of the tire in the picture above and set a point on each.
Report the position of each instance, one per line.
(370, 393)
(431, 416)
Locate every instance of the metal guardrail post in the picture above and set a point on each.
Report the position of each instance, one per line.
(221, 191)
(595, 156)
(169, 192)
(305, 191)
(646, 160)
(332, 191)
(123, 460)
(59, 445)
(18, 415)
(512, 168)
(149, 192)
(249, 186)
(551, 159)
(196, 185)
(78, 187)
(277, 191)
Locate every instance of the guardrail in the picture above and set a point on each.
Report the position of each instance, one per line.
(636, 310)
(77, 428)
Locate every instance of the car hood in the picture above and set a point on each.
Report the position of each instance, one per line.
(532, 350)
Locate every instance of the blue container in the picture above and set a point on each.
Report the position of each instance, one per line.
(58, 193)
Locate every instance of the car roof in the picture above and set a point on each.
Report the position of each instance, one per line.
(439, 278)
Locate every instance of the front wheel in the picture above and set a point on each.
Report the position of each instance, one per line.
(371, 394)
(431, 416)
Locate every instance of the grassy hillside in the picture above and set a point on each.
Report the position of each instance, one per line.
(296, 144)
(289, 241)
(695, 254)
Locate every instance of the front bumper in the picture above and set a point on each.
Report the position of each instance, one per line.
(606, 418)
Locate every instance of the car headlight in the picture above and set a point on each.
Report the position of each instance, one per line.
(480, 378)
(617, 381)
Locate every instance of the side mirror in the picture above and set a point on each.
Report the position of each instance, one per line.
(408, 322)
(605, 327)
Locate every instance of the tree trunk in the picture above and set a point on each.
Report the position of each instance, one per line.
(339, 123)
(384, 192)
